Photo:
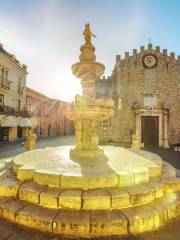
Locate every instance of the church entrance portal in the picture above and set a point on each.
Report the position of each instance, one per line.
(150, 131)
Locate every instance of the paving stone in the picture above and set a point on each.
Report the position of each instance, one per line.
(25, 173)
(172, 184)
(15, 167)
(178, 204)
(106, 223)
(155, 171)
(70, 182)
(88, 182)
(119, 198)
(6, 230)
(102, 181)
(49, 198)
(141, 219)
(37, 217)
(101, 223)
(166, 207)
(9, 187)
(141, 175)
(3, 200)
(47, 177)
(72, 223)
(118, 223)
(168, 170)
(30, 192)
(140, 194)
(96, 199)
(10, 208)
(70, 199)
(159, 188)
(126, 179)
(9, 231)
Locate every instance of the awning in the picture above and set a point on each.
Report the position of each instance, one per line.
(25, 122)
(8, 121)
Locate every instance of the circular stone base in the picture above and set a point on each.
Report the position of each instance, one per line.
(88, 200)
(117, 167)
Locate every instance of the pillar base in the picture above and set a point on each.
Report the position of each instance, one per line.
(166, 145)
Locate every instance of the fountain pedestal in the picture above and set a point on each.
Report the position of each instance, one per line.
(88, 111)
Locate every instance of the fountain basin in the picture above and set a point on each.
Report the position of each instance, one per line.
(83, 69)
(55, 167)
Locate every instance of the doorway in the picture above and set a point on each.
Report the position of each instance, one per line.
(150, 131)
(49, 130)
(4, 133)
(19, 132)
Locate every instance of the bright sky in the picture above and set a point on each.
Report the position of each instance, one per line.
(47, 34)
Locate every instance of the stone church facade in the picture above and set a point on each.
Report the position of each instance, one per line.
(145, 87)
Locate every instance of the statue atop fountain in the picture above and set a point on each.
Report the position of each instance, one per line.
(88, 111)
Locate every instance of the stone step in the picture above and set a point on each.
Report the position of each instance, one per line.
(168, 170)
(2, 165)
(91, 223)
(95, 199)
(55, 178)
(9, 187)
(3, 174)
(54, 167)
(2, 170)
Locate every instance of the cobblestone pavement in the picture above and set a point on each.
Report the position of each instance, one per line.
(168, 155)
(10, 231)
(12, 149)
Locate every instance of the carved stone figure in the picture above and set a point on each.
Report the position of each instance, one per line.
(136, 143)
(94, 134)
(78, 134)
(31, 141)
(87, 33)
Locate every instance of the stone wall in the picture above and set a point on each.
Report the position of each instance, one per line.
(136, 86)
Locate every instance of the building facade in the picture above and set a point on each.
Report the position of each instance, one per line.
(13, 115)
(47, 115)
(145, 88)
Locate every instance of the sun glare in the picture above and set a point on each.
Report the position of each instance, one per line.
(68, 88)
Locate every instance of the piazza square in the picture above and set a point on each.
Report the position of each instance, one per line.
(82, 155)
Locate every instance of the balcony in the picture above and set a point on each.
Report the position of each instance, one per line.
(6, 110)
(4, 83)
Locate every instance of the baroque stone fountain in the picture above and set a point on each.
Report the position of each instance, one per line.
(88, 110)
(89, 191)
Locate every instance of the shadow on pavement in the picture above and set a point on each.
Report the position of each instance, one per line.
(168, 155)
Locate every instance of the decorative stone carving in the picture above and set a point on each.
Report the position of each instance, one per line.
(31, 141)
(88, 111)
(136, 143)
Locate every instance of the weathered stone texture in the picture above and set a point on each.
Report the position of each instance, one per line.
(130, 82)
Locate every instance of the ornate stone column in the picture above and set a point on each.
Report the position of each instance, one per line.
(88, 110)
